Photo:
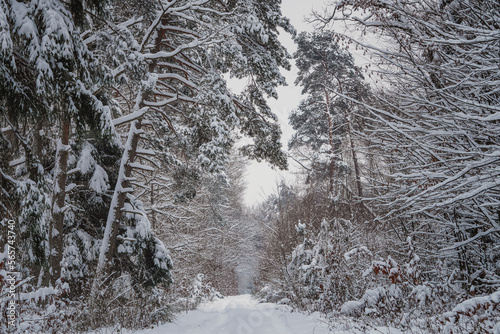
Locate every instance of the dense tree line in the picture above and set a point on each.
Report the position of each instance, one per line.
(396, 219)
(113, 116)
(121, 192)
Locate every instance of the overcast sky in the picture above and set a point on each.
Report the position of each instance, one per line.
(261, 178)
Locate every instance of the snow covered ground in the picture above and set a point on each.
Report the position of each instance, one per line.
(243, 315)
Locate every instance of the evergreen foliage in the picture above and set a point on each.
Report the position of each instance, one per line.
(77, 77)
(121, 187)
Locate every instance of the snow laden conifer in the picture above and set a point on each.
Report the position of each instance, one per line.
(48, 77)
(183, 96)
(175, 112)
(51, 98)
(325, 121)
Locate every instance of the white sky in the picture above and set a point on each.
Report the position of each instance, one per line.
(261, 178)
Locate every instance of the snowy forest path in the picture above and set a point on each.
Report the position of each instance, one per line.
(244, 315)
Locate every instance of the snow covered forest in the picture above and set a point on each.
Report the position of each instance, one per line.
(123, 149)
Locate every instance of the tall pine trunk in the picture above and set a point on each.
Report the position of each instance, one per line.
(38, 140)
(331, 167)
(122, 188)
(56, 233)
(354, 160)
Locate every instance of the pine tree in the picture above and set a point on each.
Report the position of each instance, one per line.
(76, 78)
(50, 51)
(323, 121)
(183, 96)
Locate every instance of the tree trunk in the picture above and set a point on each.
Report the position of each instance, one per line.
(153, 216)
(331, 167)
(56, 234)
(122, 188)
(37, 138)
(355, 160)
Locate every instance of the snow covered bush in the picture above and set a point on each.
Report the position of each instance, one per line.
(475, 315)
(123, 303)
(325, 270)
(270, 294)
(188, 294)
(37, 309)
(399, 293)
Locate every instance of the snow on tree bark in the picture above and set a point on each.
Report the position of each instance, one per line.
(56, 230)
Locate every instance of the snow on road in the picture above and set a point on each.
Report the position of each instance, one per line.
(243, 315)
